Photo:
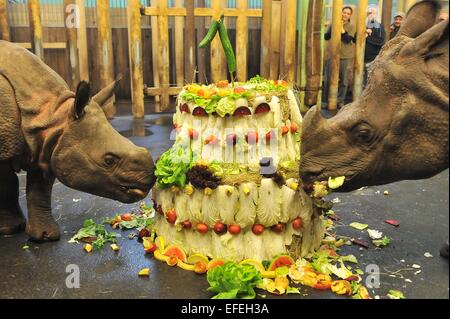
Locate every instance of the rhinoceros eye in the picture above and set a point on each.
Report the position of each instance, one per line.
(363, 133)
(110, 160)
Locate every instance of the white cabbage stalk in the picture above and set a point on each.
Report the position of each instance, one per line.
(268, 211)
(318, 231)
(210, 209)
(295, 115)
(289, 207)
(290, 143)
(282, 151)
(194, 207)
(273, 244)
(253, 244)
(248, 198)
(227, 201)
(165, 199)
(275, 108)
(289, 233)
(199, 243)
(233, 246)
(181, 202)
(240, 127)
(306, 207)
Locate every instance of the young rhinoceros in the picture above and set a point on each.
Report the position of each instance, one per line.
(398, 128)
(50, 132)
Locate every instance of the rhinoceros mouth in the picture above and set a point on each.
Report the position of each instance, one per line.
(138, 190)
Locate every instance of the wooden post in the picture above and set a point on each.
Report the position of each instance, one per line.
(409, 4)
(106, 69)
(189, 42)
(135, 52)
(304, 46)
(70, 19)
(82, 42)
(4, 25)
(155, 57)
(179, 46)
(266, 27)
(336, 28)
(201, 53)
(163, 52)
(218, 60)
(241, 41)
(386, 17)
(401, 5)
(34, 11)
(360, 48)
(313, 61)
(275, 40)
(290, 35)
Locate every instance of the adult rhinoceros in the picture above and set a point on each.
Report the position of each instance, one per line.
(398, 128)
(51, 132)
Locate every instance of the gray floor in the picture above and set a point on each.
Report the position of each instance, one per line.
(40, 272)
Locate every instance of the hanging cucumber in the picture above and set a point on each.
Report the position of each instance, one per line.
(210, 35)
(226, 44)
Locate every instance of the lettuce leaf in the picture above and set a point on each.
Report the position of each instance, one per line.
(172, 167)
(232, 281)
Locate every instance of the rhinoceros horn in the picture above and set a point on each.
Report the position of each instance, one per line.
(106, 93)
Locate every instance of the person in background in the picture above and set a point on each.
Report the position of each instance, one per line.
(443, 16)
(375, 38)
(346, 57)
(395, 26)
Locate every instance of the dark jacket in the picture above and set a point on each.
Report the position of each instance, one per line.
(393, 32)
(374, 43)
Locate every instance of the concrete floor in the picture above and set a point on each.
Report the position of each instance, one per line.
(422, 208)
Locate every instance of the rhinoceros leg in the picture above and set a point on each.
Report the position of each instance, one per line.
(41, 226)
(11, 217)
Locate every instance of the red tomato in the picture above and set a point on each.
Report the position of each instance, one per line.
(186, 224)
(220, 228)
(284, 130)
(126, 217)
(202, 228)
(297, 223)
(171, 216)
(258, 229)
(239, 90)
(294, 128)
(234, 229)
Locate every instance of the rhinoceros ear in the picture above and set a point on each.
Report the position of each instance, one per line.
(82, 98)
(422, 16)
(107, 93)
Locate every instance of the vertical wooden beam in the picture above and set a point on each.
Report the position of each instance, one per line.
(70, 19)
(313, 60)
(218, 60)
(241, 41)
(275, 40)
(290, 36)
(189, 42)
(155, 56)
(164, 62)
(106, 67)
(179, 46)
(380, 10)
(336, 28)
(386, 17)
(360, 48)
(409, 4)
(4, 25)
(201, 53)
(401, 5)
(266, 27)
(135, 53)
(82, 42)
(34, 11)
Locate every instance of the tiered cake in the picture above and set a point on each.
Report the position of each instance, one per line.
(228, 188)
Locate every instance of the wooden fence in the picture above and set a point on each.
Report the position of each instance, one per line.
(153, 43)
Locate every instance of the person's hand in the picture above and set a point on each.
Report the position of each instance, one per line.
(342, 30)
(369, 32)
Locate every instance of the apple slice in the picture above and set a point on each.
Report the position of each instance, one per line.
(199, 111)
(184, 108)
(262, 108)
(242, 111)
